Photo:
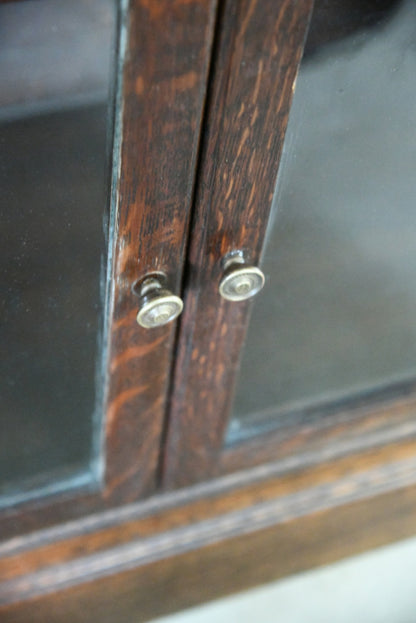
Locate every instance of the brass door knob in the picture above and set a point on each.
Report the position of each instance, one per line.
(158, 305)
(240, 281)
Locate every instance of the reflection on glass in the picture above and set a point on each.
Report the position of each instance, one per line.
(56, 66)
(337, 315)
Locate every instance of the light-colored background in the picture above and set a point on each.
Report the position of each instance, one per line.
(377, 587)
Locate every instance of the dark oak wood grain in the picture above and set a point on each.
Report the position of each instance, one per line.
(162, 96)
(270, 484)
(121, 559)
(143, 564)
(249, 100)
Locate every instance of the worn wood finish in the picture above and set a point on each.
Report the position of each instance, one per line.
(249, 101)
(270, 487)
(146, 563)
(162, 100)
(163, 97)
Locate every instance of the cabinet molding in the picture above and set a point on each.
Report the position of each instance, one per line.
(181, 548)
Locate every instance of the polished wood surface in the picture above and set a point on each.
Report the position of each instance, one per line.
(248, 105)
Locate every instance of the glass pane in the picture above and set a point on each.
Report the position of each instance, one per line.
(56, 72)
(336, 318)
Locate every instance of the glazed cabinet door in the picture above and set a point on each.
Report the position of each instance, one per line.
(261, 169)
(101, 107)
(318, 191)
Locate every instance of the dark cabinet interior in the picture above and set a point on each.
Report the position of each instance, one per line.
(146, 469)
(54, 178)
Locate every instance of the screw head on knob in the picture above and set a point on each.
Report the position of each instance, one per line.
(158, 306)
(241, 282)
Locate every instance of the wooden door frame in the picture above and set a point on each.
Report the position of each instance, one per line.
(250, 97)
(164, 57)
(258, 51)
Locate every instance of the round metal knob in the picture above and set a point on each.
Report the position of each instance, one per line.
(240, 282)
(158, 306)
